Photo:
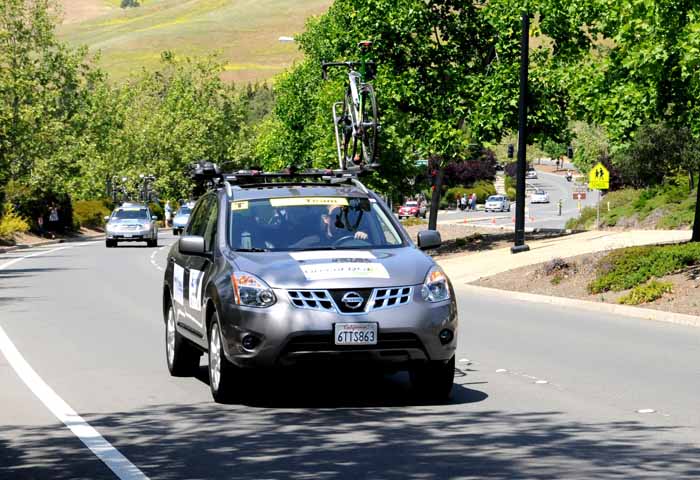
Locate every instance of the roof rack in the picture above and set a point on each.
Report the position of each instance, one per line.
(209, 175)
(291, 176)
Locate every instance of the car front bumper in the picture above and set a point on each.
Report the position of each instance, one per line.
(290, 336)
(136, 236)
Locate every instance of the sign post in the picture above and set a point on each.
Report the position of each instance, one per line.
(598, 179)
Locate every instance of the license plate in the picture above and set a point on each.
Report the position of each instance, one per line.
(355, 333)
(128, 235)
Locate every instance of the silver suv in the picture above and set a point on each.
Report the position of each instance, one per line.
(131, 222)
(289, 274)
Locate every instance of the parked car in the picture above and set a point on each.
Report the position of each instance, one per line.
(412, 208)
(181, 217)
(131, 222)
(539, 196)
(531, 173)
(497, 203)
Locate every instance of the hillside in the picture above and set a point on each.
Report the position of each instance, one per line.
(244, 32)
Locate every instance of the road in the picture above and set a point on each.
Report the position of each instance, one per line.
(541, 392)
(544, 215)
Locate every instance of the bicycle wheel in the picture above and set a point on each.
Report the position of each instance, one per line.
(351, 147)
(370, 125)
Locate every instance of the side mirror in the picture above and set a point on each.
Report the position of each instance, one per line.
(154, 217)
(106, 218)
(428, 239)
(191, 245)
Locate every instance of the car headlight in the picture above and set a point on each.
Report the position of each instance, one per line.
(250, 291)
(435, 287)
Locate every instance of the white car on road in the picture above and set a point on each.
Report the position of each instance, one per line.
(539, 196)
(497, 203)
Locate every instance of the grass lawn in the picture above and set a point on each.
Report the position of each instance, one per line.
(244, 32)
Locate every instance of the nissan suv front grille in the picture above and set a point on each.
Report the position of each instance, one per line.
(332, 300)
(312, 300)
(391, 297)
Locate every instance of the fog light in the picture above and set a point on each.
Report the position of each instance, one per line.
(249, 342)
(446, 336)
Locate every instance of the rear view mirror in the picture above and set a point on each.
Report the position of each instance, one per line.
(106, 218)
(428, 239)
(191, 245)
(154, 217)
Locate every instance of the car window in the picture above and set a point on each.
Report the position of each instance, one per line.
(198, 220)
(131, 214)
(309, 223)
(184, 211)
(411, 204)
(211, 226)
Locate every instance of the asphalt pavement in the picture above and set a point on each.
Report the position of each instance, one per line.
(540, 392)
(539, 215)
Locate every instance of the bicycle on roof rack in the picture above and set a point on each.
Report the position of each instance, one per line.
(357, 123)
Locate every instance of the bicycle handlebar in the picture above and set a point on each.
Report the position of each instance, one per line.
(349, 65)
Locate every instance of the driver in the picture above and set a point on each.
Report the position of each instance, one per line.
(332, 229)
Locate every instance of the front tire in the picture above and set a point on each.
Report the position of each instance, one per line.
(152, 243)
(110, 243)
(222, 373)
(181, 357)
(434, 380)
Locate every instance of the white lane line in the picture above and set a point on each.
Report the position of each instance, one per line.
(35, 254)
(104, 450)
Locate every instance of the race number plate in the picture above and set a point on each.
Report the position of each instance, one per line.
(355, 333)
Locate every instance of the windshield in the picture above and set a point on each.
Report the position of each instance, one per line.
(130, 214)
(494, 199)
(184, 211)
(310, 223)
(411, 204)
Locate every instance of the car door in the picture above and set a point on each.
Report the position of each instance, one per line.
(190, 325)
(199, 268)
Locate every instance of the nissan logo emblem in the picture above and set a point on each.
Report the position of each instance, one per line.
(352, 300)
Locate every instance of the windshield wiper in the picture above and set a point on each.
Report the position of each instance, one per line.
(255, 249)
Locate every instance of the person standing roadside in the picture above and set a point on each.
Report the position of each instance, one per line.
(168, 214)
(473, 202)
(53, 220)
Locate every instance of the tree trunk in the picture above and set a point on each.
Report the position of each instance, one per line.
(696, 223)
(691, 181)
(435, 201)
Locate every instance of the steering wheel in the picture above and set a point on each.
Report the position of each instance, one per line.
(346, 238)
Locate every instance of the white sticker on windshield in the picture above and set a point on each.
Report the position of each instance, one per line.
(179, 284)
(196, 289)
(331, 255)
(329, 271)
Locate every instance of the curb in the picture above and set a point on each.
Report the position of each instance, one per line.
(624, 310)
(25, 246)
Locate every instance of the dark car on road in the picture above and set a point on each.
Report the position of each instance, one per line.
(275, 275)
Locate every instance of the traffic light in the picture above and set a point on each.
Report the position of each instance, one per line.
(511, 150)
(570, 151)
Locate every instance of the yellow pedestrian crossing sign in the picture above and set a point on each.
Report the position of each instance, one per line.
(599, 178)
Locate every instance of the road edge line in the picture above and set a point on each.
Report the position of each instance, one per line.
(624, 310)
(91, 438)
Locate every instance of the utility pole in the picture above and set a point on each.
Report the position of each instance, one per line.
(435, 173)
(519, 245)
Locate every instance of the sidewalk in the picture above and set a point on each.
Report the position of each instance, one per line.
(86, 235)
(471, 267)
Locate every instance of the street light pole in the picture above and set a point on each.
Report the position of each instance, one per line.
(519, 245)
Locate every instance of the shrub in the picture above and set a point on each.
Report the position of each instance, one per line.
(32, 202)
(586, 219)
(646, 293)
(90, 213)
(629, 267)
(11, 223)
(411, 221)
(460, 242)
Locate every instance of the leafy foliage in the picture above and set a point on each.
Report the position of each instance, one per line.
(11, 222)
(90, 213)
(646, 293)
(629, 267)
